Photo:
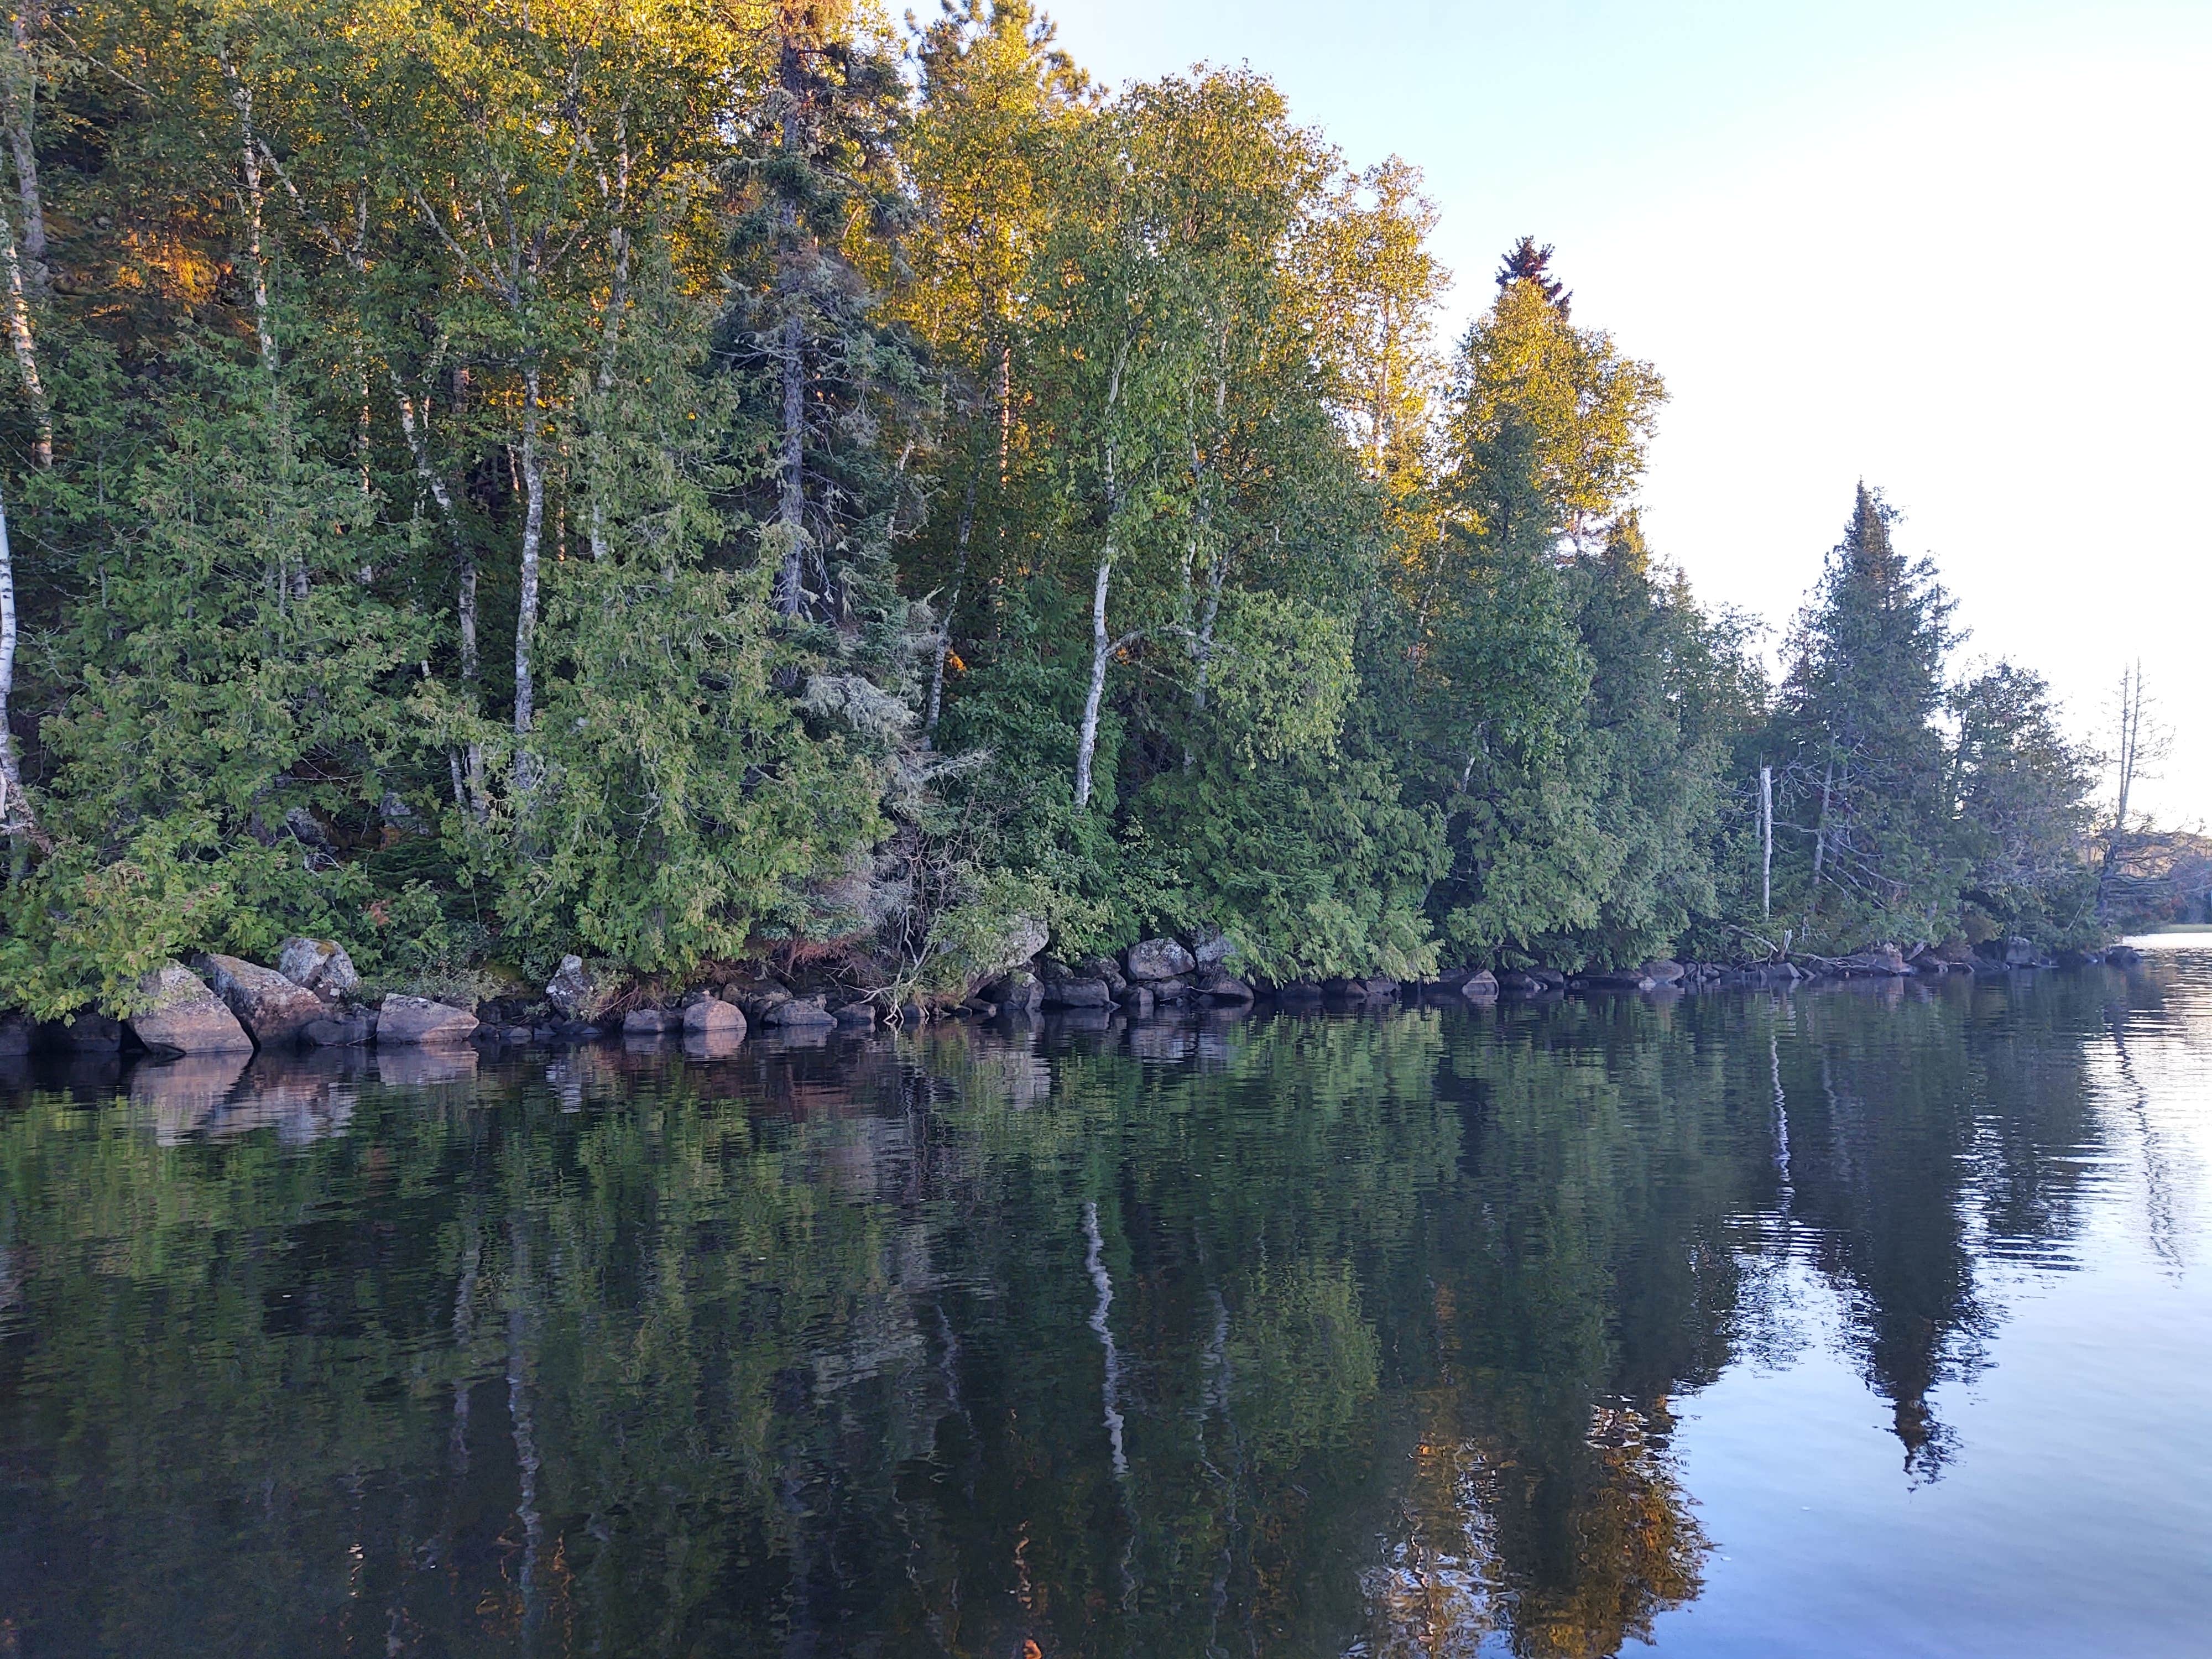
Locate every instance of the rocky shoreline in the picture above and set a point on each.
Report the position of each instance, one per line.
(312, 998)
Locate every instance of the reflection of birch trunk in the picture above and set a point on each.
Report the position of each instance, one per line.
(525, 1443)
(1094, 1263)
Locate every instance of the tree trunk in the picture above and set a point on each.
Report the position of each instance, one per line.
(22, 336)
(610, 343)
(468, 786)
(1102, 651)
(791, 476)
(945, 625)
(1820, 829)
(14, 808)
(534, 531)
(22, 109)
(249, 157)
(1765, 841)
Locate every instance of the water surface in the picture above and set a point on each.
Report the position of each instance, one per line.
(1859, 1321)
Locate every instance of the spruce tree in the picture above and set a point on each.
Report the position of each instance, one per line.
(1865, 790)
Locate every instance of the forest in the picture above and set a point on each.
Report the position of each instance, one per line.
(685, 483)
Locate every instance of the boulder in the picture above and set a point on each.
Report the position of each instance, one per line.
(861, 1011)
(336, 1031)
(1952, 949)
(87, 1031)
(2123, 956)
(1022, 938)
(16, 1033)
(1299, 990)
(573, 992)
(1379, 986)
(409, 1022)
(1219, 985)
(710, 1016)
(274, 1009)
(1664, 970)
(1018, 993)
(1158, 959)
(1168, 990)
(1103, 967)
(1214, 951)
(1136, 1001)
(758, 1002)
(179, 1014)
(1625, 979)
(319, 965)
(1345, 990)
(650, 1022)
(798, 1014)
(1482, 986)
(1051, 970)
(1078, 993)
(1515, 983)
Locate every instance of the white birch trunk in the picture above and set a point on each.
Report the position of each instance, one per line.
(1100, 651)
(14, 809)
(533, 532)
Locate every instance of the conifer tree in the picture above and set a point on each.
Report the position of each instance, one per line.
(1865, 790)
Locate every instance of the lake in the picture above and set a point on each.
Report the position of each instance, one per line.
(1861, 1319)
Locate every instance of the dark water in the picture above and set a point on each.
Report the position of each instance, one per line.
(1854, 1322)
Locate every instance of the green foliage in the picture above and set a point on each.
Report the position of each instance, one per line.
(666, 484)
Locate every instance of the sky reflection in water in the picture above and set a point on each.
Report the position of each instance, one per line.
(1865, 1321)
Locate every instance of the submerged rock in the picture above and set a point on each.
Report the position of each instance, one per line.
(179, 1014)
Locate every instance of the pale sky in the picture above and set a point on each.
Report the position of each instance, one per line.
(1959, 248)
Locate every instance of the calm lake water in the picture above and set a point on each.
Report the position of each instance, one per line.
(1860, 1321)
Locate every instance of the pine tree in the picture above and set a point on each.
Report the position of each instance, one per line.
(1865, 786)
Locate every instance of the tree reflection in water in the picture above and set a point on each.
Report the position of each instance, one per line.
(804, 1349)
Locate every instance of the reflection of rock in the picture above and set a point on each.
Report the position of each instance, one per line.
(712, 1044)
(220, 1097)
(181, 1096)
(179, 1014)
(1169, 1040)
(421, 1065)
